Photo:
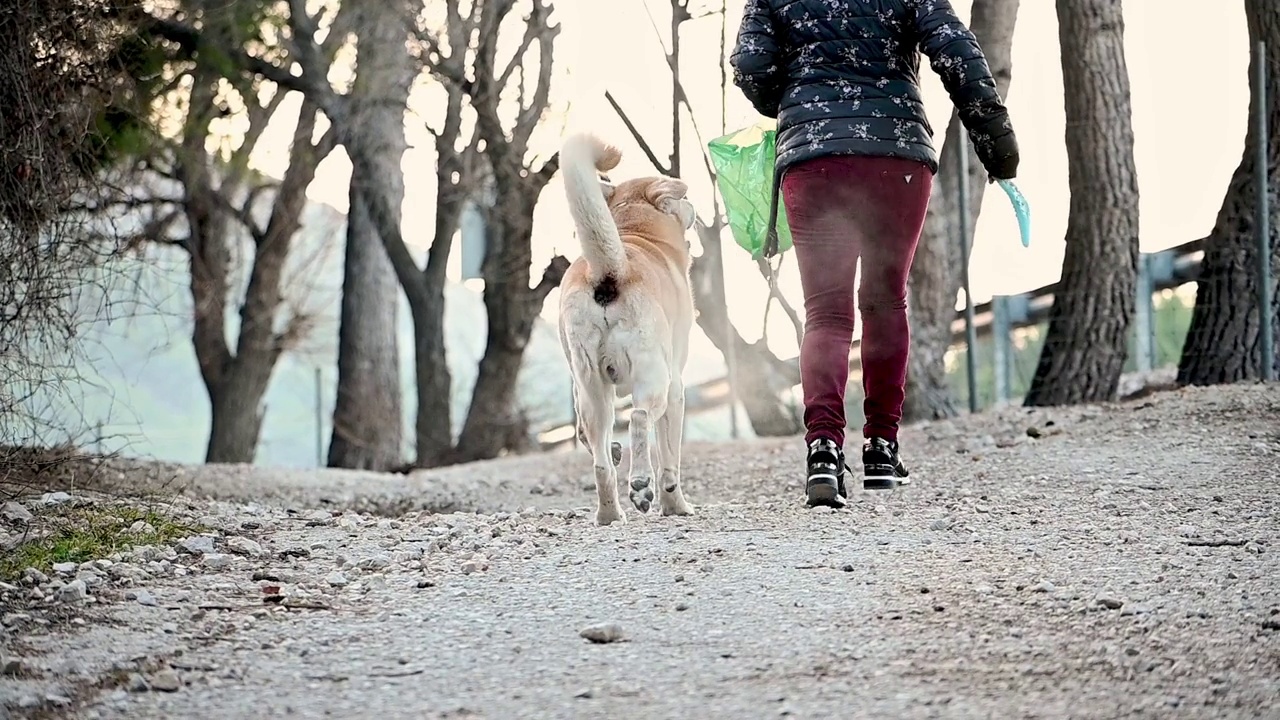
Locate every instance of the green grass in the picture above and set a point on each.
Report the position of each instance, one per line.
(89, 533)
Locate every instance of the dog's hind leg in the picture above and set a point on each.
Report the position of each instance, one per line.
(649, 405)
(596, 418)
(615, 448)
(670, 434)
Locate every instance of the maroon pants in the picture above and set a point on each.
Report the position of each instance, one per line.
(840, 209)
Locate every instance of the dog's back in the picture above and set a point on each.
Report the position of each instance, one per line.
(626, 310)
(630, 289)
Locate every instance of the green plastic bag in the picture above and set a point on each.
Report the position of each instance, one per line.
(743, 161)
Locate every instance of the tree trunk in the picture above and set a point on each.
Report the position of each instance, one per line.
(236, 398)
(237, 415)
(1086, 344)
(367, 418)
(760, 377)
(935, 274)
(433, 426)
(1223, 343)
(495, 423)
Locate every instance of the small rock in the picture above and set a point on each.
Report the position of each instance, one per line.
(11, 667)
(216, 560)
(141, 527)
(602, 633)
(145, 598)
(54, 698)
(584, 694)
(984, 589)
(166, 681)
(244, 546)
(137, 683)
(14, 512)
(681, 607)
(942, 523)
(336, 579)
(55, 498)
(376, 562)
(66, 568)
(35, 576)
(73, 592)
(1109, 602)
(1189, 531)
(1043, 586)
(198, 545)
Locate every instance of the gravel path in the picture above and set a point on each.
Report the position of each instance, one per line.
(1100, 562)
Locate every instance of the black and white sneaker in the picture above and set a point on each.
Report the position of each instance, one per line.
(825, 485)
(882, 468)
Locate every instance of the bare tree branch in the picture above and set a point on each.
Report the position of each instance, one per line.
(259, 117)
(528, 119)
(551, 278)
(243, 214)
(776, 294)
(635, 134)
(530, 35)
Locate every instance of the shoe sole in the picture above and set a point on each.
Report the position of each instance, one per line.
(825, 496)
(883, 477)
(880, 483)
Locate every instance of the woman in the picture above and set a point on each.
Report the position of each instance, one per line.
(855, 167)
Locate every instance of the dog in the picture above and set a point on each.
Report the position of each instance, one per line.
(626, 311)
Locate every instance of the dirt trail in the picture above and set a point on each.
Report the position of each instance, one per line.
(1121, 563)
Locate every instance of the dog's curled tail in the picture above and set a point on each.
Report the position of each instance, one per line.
(581, 158)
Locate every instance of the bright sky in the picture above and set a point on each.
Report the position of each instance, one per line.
(1189, 117)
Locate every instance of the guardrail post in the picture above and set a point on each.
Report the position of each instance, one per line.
(970, 332)
(1144, 317)
(1262, 165)
(319, 398)
(1002, 346)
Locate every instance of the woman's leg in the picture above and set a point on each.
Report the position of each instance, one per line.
(826, 243)
(901, 197)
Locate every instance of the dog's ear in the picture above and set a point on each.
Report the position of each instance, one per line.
(686, 214)
(668, 195)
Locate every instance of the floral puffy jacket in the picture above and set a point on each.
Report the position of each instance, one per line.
(842, 78)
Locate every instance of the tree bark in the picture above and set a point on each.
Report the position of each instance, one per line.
(1087, 341)
(367, 419)
(237, 400)
(455, 182)
(935, 274)
(1224, 341)
(760, 377)
(494, 422)
(210, 267)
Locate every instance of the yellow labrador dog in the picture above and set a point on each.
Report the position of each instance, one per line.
(626, 309)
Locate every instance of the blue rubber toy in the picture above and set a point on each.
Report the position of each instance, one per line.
(1020, 208)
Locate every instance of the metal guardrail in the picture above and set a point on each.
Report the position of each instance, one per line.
(1157, 271)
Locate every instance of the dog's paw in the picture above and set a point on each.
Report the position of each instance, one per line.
(616, 451)
(642, 493)
(673, 503)
(610, 515)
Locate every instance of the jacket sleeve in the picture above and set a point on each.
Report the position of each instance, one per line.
(757, 65)
(954, 54)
